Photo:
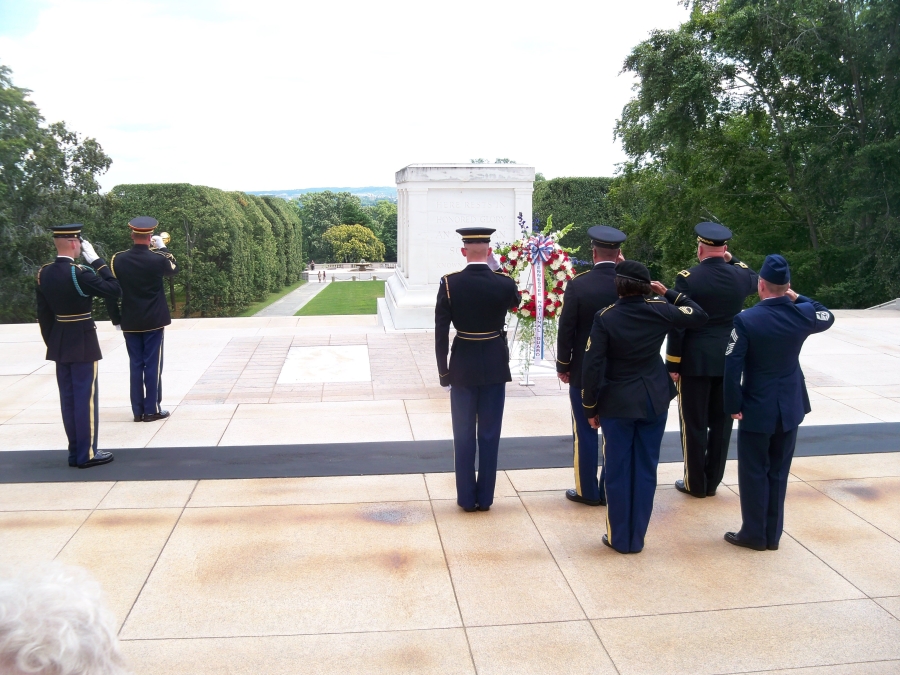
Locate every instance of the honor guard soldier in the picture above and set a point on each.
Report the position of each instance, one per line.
(585, 295)
(695, 357)
(771, 400)
(626, 392)
(475, 300)
(144, 314)
(65, 292)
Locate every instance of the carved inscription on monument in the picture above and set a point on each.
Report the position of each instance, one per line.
(449, 210)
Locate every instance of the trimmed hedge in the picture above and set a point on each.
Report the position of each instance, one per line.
(242, 247)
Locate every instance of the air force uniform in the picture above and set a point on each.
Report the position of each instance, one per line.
(698, 355)
(772, 399)
(585, 295)
(625, 383)
(143, 316)
(475, 300)
(65, 291)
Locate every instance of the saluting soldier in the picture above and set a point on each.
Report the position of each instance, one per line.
(770, 400)
(585, 295)
(626, 392)
(475, 300)
(144, 314)
(695, 357)
(65, 292)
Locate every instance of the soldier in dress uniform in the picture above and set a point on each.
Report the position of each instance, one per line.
(144, 314)
(626, 392)
(475, 300)
(771, 401)
(695, 357)
(65, 291)
(585, 295)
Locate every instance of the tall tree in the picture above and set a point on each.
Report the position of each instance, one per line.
(384, 223)
(320, 211)
(779, 118)
(48, 175)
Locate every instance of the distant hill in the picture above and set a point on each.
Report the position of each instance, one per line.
(368, 195)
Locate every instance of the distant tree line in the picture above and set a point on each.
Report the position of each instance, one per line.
(323, 211)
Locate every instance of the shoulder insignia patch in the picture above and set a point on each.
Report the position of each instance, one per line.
(38, 275)
(605, 309)
(823, 316)
(740, 264)
(684, 273)
(686, 310)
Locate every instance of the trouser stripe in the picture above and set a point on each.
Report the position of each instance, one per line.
(687, 483)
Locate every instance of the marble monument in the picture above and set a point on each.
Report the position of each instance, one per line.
(433, 200)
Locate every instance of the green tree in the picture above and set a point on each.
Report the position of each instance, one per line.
(384, 223)
(321, 211)
(352, 243)
(780, 119)
(48, 175)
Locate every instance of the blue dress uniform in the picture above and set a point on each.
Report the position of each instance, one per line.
(143, 316)
(65, 291)
(765, 348)
(625, 383)
(475, 300)
(585, 295)
(698, 355)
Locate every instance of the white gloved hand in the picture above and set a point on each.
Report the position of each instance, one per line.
(119, 327)
(157, 241)
(88, 251)
(493, 263)
(447, 388)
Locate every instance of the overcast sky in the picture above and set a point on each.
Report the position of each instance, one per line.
(274, 95)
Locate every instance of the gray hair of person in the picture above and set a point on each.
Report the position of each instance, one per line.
(54, 621)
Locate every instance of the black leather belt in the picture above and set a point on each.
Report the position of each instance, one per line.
(478, 336)
(68, 318)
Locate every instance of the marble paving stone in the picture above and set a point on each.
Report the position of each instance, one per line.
(837, 467)
(313, 490)
(749, 640)
(120, 547)
(502, 571)
(565, 648)
(846, 393)
(875, 500)
(203, 412)
(318, 410)
(685, 566)
(869, 668)
(52, 496)
(431, 427)
(149, 494)
(428, 406)
(518, 422)
(827, 412)
(539, 480)
(33, 436)
(31, 537)
(844, 541)
(890, 604)
(127, 434)
(443, 485)
(883, 409)
(279, 570)
(420, 652)
(183, 433)
(346, 363)
(347, 427)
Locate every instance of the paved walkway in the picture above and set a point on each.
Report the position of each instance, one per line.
(385, 574)
(291, 303)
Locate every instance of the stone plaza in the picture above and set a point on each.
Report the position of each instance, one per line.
(301, 566)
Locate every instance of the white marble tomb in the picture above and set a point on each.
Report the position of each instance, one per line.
(433, 200)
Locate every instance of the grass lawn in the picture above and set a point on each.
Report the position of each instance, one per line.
(345, 297)
(272, 297)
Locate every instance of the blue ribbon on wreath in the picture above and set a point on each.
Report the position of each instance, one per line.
(539, 249)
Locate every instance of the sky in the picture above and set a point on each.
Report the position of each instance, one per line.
(268, 95)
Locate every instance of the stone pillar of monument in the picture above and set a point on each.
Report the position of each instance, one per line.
(433, 200)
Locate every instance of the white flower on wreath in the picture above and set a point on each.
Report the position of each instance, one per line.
(555, 265)
(561, 275)
(513, 255)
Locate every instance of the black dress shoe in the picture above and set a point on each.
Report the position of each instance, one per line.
(772, 547)
(605, 541)
(100, 457)
(483, 508)
(469, 509)
(732, 538)
(572, 495)
(152, 417)
(679, 485)
(138, 418)
(711, 493)
(73, 463)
